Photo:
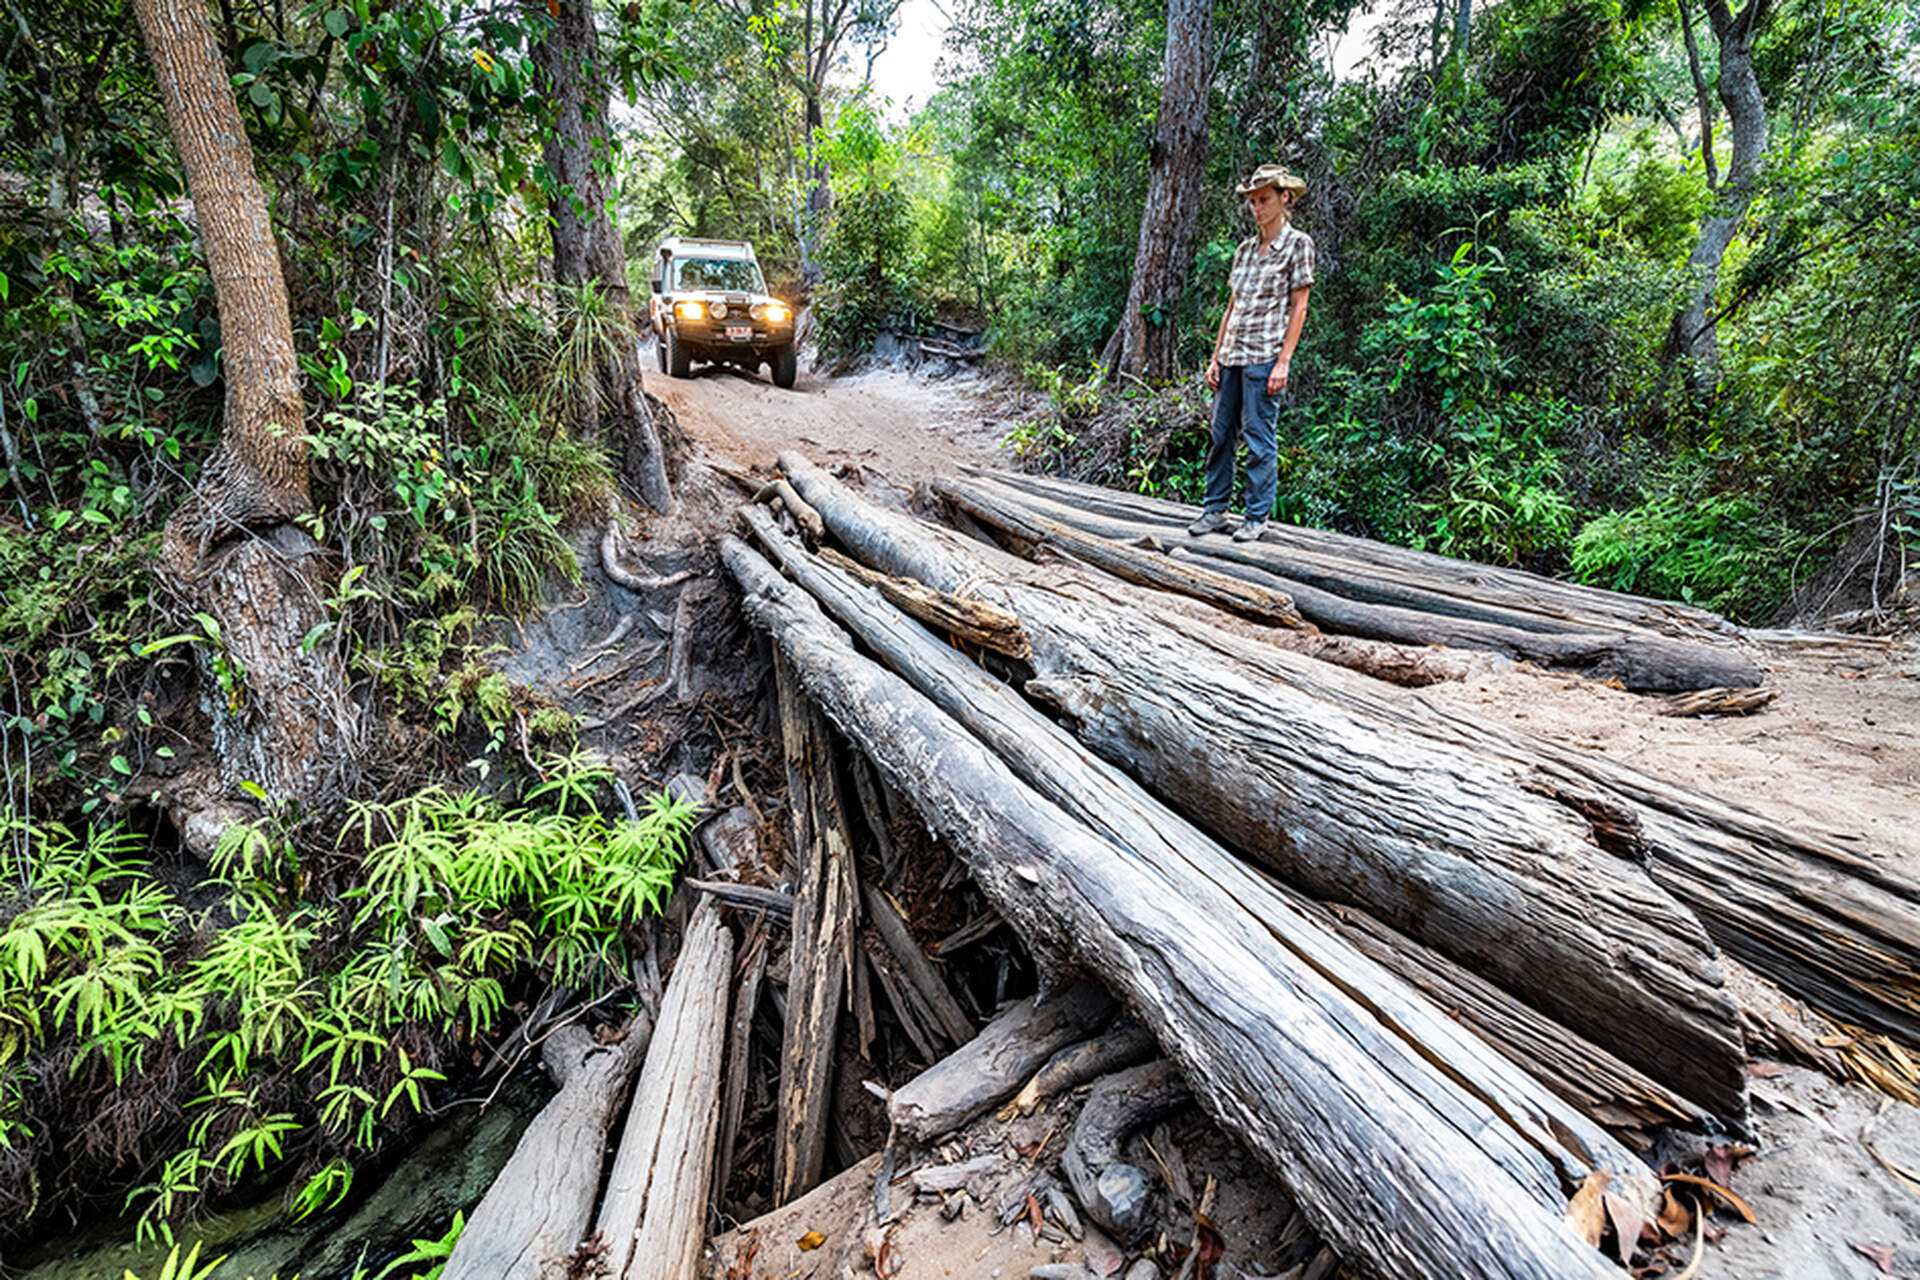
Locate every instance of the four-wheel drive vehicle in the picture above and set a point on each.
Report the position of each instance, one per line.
(710, 303)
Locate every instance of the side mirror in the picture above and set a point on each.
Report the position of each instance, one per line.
(656, 285)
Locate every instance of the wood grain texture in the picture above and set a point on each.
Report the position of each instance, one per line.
(541, 1203)
(1101, 795)
(1387, 603)
(653, 1219)
(1409, 1173)
(993, 1065)
(1445, 844)
(1549, 598)
(826, 902)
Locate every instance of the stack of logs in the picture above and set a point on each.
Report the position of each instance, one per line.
(1437, 974)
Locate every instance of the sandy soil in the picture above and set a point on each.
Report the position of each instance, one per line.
(1837, 752)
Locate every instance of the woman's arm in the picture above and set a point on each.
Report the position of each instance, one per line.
(1213, 365)
(1296, 317)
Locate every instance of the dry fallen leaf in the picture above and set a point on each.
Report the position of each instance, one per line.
(1740, 1206)
(812, 1240)
(1629, 1220)
(1674, 1217)
(1033, 1213)
(1587, 1211)
(1720, 1161)
(1880, 1254)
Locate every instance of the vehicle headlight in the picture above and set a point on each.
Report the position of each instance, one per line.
(778, 313)
(690, 310)
(718, 310)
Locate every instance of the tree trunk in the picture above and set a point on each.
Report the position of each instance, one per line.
(1147, 342)
(1413, 1169)
(587, 246)
(653, 1219)
(1464, 853)
(282, 720)
(541, 1203)
(1694, 335)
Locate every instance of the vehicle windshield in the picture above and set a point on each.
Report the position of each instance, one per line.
(718, 273)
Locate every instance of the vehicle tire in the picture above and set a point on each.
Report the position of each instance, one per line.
(679, 359)
(785, 365)
(660, 350)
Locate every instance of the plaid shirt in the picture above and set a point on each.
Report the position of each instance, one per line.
(1262, 284)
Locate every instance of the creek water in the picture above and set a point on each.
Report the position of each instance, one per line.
(447, 1170)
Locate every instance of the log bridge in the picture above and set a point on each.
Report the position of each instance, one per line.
(1442, 977)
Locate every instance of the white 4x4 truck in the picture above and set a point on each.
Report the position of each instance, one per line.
(710, 303)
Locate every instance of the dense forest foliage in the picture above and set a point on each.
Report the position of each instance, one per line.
(1626, 291)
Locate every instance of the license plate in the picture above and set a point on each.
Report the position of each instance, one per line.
(739, 332)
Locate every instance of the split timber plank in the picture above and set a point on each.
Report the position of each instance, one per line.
(825, 904)
(653, 1219)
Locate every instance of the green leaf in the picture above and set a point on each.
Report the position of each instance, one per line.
(337, 23)
(121, 767)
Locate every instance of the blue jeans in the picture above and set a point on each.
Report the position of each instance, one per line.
(1243, 410)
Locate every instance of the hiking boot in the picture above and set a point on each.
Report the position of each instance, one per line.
(1249, 530)
(1209, 522)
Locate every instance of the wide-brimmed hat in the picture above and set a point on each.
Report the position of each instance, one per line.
(1272, 175)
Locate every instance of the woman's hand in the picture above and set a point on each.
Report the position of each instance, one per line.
(1277, 380)
(1213, 374)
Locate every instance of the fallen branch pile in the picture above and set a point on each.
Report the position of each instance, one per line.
(1437, 974)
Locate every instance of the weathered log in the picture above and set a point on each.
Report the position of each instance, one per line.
(1124, 1044)
(1831, 926)
(1418, 1173)
(804, 515)
(916, 968)
(539, 1205)
(1387, 605)
(746, 1001)
(1113, 1192)
(1098, 793)
(825, 902)
(971, 620)
(1458, 850)
(1510, 588)
(990, 1067)
(1147, 568)
(747, 897)
(653, 1218)
(915, 1022)
(1606, 1089)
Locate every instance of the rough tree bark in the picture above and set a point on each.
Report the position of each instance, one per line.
(587, 245)
(1412, 1170)
(1510, 879)
(542, 1202)
(1147, 342)
(1694, 334)
(281, 717)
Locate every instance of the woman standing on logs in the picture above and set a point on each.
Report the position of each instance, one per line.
(1272, 272)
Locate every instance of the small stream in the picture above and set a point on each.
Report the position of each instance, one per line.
(448, 1169)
